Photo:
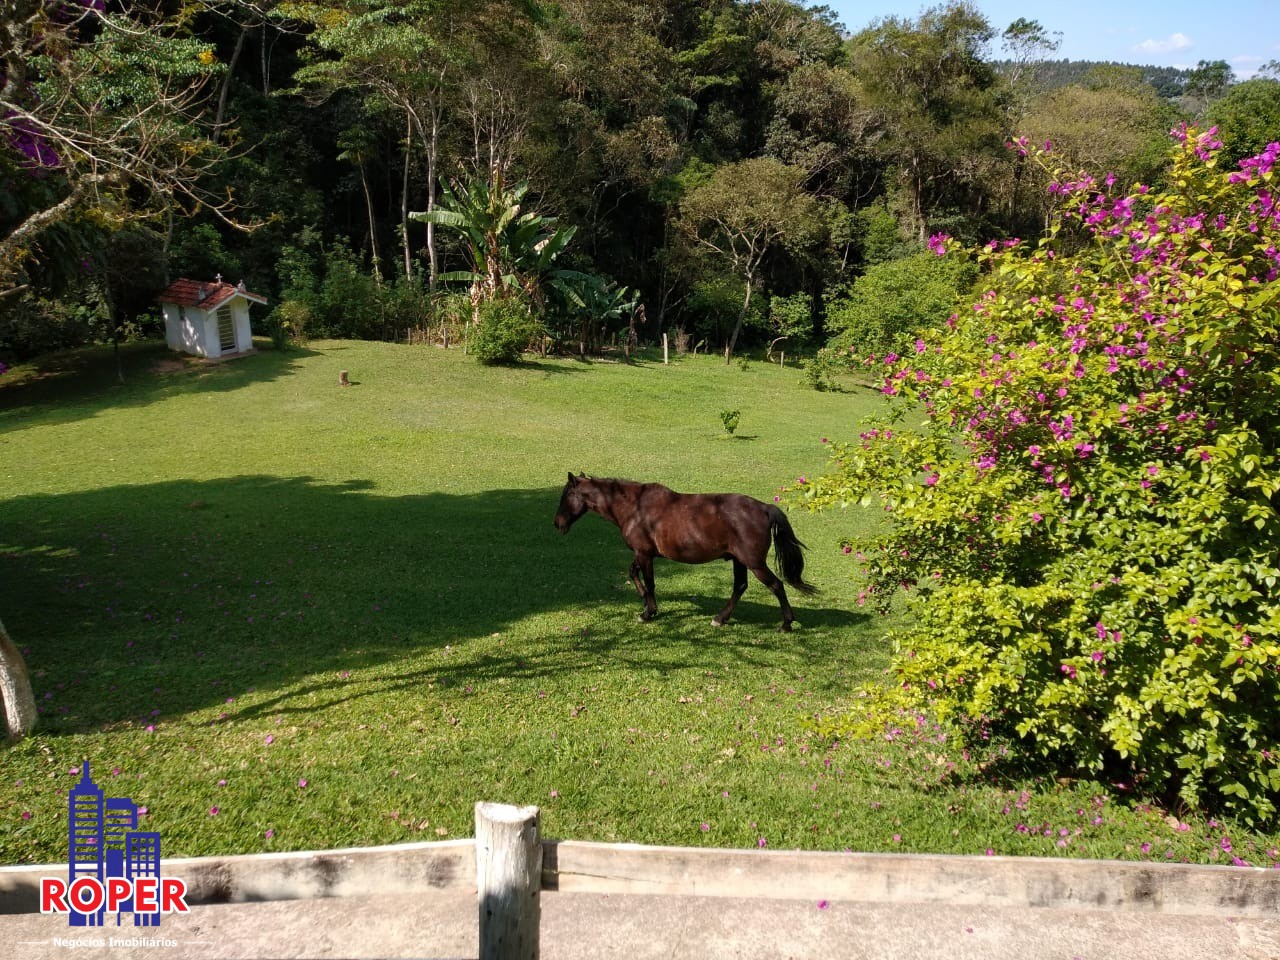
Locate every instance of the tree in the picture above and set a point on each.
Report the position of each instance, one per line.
(821, 122)
(745, 211)
(1027, 45)
(100, 120)
(404, 58)
(504, 96)
(935, 97)
(357, 145)
(1113, 125)
(1247, 118)
(1208, 83)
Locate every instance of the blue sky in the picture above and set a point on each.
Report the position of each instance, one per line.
(1173, 33)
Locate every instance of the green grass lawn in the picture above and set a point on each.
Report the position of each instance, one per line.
(281, 614)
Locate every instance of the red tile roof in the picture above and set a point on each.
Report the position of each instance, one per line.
(203, 294)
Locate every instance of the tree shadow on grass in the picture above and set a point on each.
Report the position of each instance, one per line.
(78, 384)
(160, 600)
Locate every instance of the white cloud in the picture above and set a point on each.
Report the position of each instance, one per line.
(1175, 41)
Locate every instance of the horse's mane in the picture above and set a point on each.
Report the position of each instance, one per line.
(614, 483)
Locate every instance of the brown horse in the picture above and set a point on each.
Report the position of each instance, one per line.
(691, 528)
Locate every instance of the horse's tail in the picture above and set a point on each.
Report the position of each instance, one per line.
(788, 548)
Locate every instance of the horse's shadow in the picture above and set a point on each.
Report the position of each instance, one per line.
(126, 604)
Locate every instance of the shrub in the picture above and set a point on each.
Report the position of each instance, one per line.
(505, 331)
(341, 297)
(288, 323)
(821, 370)
(792, 317)
(894, 300)
(1088, 516)
(730, 420)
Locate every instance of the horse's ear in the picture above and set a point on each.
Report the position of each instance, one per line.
(572, 478)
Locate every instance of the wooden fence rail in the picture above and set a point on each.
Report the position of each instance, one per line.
(509, 864)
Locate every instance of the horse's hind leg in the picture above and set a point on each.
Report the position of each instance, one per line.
(739, 587)
(642, 577)
(766, 576)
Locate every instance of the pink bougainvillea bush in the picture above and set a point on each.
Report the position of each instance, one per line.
(1083, 478)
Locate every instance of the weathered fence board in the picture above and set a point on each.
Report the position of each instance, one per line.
(576, 866)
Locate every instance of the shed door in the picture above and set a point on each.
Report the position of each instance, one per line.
(226, 330)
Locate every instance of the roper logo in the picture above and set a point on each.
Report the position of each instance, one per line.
(112, 867)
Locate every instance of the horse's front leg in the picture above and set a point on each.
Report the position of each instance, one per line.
(643, 565)
(637, 580)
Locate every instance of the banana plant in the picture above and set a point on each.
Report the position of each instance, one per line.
(511, 250)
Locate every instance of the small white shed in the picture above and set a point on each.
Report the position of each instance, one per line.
(208, 319)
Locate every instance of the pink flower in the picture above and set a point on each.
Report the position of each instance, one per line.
(705, 826)
(302, 782)
(270, 739)
(762, 842)
(213, 811)
(823, 904)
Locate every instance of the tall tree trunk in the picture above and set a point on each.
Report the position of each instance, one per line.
(404, 198)
(16, 696)
(737, 328)
(266, 61)
(168, 241)
(373, 225)
(433, 152)
(226, 84)
(917, 200)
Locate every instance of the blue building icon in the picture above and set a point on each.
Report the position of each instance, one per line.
(103, 842)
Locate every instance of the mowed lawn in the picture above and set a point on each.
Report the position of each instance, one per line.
(282, 614)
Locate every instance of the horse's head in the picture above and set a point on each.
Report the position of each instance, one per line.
(573, 502)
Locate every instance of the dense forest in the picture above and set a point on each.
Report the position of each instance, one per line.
(576, 173)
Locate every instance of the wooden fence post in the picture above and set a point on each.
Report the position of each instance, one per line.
(508, 880)
(664, 349)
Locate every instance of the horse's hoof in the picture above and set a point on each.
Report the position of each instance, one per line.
(785, 628)
(717, 622)
(645, 617)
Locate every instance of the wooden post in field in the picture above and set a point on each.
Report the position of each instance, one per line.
(664, 349)
(508, 880)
